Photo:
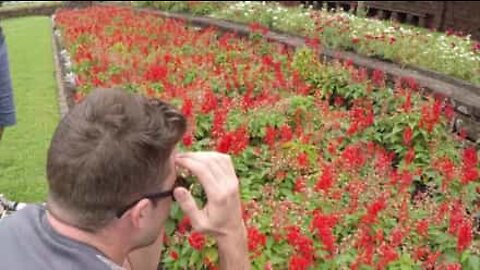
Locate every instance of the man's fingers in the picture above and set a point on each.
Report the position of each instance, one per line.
(190, 208)
(219, 164)
(203, 173)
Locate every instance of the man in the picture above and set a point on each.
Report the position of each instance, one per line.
(111, 169)
(7, 109)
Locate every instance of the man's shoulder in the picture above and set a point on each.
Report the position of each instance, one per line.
(22, 217)
(22, 224)
(28, 242)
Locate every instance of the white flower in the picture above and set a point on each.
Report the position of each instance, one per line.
(70, 77)
(68, 64)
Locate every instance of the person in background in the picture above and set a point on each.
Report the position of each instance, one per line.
(7, 108)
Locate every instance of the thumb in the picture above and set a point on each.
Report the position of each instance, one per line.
(189, 207)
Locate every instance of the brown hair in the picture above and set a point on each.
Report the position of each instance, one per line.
(109, 149)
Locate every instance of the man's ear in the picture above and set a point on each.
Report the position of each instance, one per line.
(140, 213)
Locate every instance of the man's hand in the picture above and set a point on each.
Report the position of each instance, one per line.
(222, 213)
(221, 217)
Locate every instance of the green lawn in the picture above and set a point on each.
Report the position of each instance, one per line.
(24, 147)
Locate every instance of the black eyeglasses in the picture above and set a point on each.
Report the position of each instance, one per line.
(179, 182)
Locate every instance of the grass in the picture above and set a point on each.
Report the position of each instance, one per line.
(23, 148)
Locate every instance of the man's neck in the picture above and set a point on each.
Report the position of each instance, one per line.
(110, 246)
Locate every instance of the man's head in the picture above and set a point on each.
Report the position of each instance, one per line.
(109, 150)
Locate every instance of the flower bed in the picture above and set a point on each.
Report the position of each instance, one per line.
(337, 170)
(445, 53)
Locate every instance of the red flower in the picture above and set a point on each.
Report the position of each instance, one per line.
(420, 253)
(449, 111)
(313, 43)
(373, 210)
(187, 107)
(156, 73)
(430, 115)
(388, 254)
(447, 168)
(361, 117)
(258, 28)
(378, 78)
(431, 260)
(406, 180)
(270, 135)
(470, 170)
(469, 175)
(225, 143)
(209, 102)
(383, 160)
(187, 140)
(196, 240)
(184, 225)
(300, 242)
(407, 136)
(234, 142)
(256, 239)
(298, 263)
(286, 133)
(476, 47)
(353, 156)
(410, 155)
(299, 184)
(219, 118)
(240, 140)
(411, 83)
(453, 266)
(456, 217)
(302, 160)
(464, 236)
(174, 255)
(323, 225)
(209, 264)
(397, 237)
(339, 101)
(325, 181)
(407, 106)
(422, 227)
(470, 158)
(348, 63)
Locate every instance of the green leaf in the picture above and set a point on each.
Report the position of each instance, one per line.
(194, 258)
(169, 227)
(270, 243)
(470, 262)
(212, 254)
